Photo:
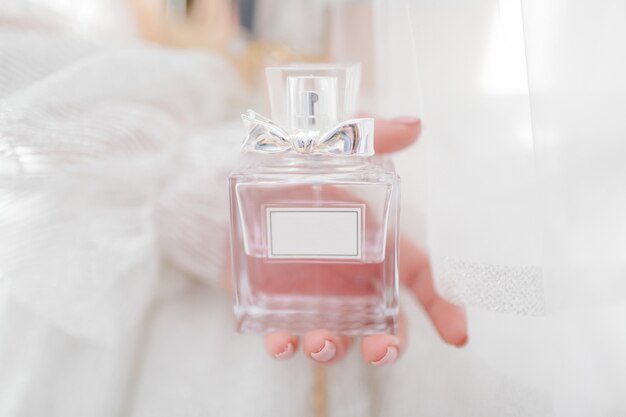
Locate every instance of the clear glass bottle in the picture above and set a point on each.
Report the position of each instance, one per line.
(314, 213)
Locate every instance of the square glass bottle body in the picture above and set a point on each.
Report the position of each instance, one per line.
(315, 244)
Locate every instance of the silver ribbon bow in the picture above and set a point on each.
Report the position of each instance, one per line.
(352, 137)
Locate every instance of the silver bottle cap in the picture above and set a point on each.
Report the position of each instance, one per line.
(312, 102)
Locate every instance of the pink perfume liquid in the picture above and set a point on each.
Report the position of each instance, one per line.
(354, 294)
(272, 278)
(300, 296)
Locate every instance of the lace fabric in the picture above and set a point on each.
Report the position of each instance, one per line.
(90, 149)
(522, 139)
(112, 221)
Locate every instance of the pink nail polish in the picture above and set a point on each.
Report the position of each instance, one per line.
(462, 342)
(405, 120)
(287, 353)
(390, 357)
(326, 353)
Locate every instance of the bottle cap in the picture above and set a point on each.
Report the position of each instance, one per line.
(313, 97)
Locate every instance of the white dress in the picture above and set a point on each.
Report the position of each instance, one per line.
(113, 160)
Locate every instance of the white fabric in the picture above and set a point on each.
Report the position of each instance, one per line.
(113, 221)
(523, 107)
(112, 164)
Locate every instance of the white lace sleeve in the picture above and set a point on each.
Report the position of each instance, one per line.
(98, 159)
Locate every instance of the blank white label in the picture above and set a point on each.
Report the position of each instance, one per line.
(326, 233)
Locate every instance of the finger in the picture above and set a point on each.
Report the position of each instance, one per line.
(384, 349)
(395, 134)
(281, 345)
(324, 346)
(415, 272)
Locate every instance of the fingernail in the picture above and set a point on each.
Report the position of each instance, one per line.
(326, 353)
(462, 342)
(287, 353)
(405, 120)
(390, 357)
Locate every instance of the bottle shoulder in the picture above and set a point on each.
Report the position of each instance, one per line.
(314, 168)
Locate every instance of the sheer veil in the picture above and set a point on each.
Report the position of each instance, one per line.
(113, 218)
(523, 107)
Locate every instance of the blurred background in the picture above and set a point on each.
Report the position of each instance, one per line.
(118, 124)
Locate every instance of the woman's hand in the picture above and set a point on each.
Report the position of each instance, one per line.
(326, 347)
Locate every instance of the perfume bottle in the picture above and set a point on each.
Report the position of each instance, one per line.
(314, 213)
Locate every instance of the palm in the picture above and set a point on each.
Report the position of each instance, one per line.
(334, 279)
